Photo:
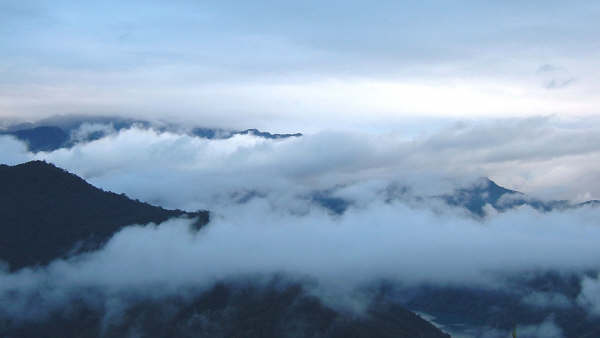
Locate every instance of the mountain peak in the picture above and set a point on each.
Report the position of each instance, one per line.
(476, 196)
(39, 164)
(47, 211)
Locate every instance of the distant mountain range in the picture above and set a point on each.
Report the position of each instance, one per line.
(473, 198)
(56, 133)
(223, 133)
(487, 192)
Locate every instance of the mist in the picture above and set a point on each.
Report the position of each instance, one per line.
(543, 157)
(266, 221)
(382, 241)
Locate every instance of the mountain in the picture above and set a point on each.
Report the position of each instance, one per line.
(486, 191)
(473, 198)
(531, 299)
(272, 311)
(47, 212)
(216, 133)
(263, 134)
(55, 133)
(46, 138)
(476, 197)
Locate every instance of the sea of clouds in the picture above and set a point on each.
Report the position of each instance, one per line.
(264, 218)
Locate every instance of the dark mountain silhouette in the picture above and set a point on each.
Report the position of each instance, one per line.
(273, 311)
(55, 133)
(268, 135)
(47, 212)
(71, 122)
(212, 133)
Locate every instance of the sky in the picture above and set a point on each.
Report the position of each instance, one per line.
(300, 66)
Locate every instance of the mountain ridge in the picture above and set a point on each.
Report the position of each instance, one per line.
(53, 134)
(47, 211)
(487, 192)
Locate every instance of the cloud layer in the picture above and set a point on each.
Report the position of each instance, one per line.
(337, 254)
(266, 220)
(547, 157)
(311, 65)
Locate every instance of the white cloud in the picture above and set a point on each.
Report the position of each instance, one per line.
(381, 241)
(13, 151)
(543, 157)
(87, 130)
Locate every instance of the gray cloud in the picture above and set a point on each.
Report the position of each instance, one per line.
(547, 299)
(548, 68)
(308, 63)
(559, 83)
(555, 77)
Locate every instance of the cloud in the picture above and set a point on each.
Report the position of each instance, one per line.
(271, 69)
(555, 77)
(559, 83)
(91, 131)
(547, 299)
(548, 68)
(590, 295)
(545, 329)
(383, 241)
(545, 157)
(13, 151)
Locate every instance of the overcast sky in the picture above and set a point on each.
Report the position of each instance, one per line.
(301, 65)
